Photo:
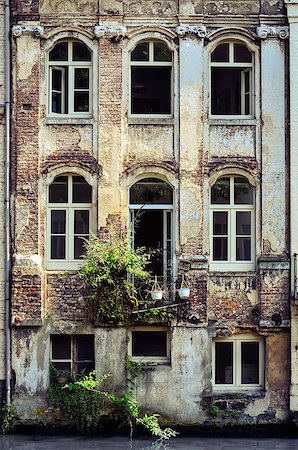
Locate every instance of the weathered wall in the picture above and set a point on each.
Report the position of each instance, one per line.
(189, 150)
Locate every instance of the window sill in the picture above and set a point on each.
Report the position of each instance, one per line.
(232, 268)
(150, 121)
(228, 273)
(69, 121)
(249, 121)
(244, 390)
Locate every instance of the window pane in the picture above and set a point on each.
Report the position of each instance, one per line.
(225, 90)
(243, 192)
(58, 222)
(61, 346)
(243, 222)
(220, 192)
(57, 247)
(220, 249)
(220, 223)
(79, 247)
(58, 192)
(151, 90)
(85, 347)
(221, 53)
(80, 52)
(81, 101)
(161, 52)
(82, 78)
(241, 53)
(59, 52)
(149, 343)
(56, 79)
(249, 363)
(141, 52)
(62, 365)
(56, 102)
(243, 249)
(86, 366)
(81, 190)
(81, 222)
(151, 190)
(224, 362)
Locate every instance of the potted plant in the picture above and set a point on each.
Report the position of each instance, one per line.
(156, 290)
(184, 290)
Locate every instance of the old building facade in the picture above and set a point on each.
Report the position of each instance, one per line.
(177, 109)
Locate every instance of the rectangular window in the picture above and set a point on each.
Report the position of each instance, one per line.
(238, 363)
(74, 353)
(149, 344)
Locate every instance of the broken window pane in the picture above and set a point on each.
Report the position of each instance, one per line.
(224, 362)
(249, 362)
(151, 190)
(151, 90)
(141, 52)
(149, 343)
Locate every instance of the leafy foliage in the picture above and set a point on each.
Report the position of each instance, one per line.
(109, 275)
(8, 417)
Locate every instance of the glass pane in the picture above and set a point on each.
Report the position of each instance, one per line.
(221, 53)
(81, 101)
(141, 52)
(56, 80)
(58, 192)
(220, 223)
(62, 365)
(243, 222)
(59, 52)
(226, 90)
(81, 190)
(151, 90)
(61, 346)
(56, 102)
(80, 52)
(220, 192)
(249, 363)
(224, 362)
(79, 247)
(57, 247)
(85, 347)
(82, 78)
(58, 222)
(243, 192)
(161, 52)
(220, 249)
(86, 367)
(81, 222)
(241, 53)
(149, 343)
(151, 190)
(243, 249)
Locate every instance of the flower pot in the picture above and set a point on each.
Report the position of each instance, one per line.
(156, 295)
(184, 292)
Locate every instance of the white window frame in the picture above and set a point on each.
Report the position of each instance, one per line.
(72, 65)
(150, 359)
(73, 353)
(247, 66)
(69, 263)
(236, 385)
(151, 63)
(232, 264)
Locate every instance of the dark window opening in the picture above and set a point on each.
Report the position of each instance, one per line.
(249, 362)
(149, 343)
(151, 191)
(224, 362)
(74, 353)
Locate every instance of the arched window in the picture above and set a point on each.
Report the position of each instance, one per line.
(232, 224)
(151, 214)
(151, 79)
(69, 218)
(231, 80)
(70, 65)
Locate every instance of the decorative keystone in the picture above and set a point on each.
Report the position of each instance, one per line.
(198, 30)
(36, 30)
(280, 32)
(115, 32)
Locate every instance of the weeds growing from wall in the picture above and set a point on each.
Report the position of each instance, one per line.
(8, 417)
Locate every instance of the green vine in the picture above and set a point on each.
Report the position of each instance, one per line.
(8, 417)
(109, 275)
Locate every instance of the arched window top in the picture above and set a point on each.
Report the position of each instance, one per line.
(234, 190)
(151, 191)
(231, 52)
(70, 189)
(151, 52)
(70, 51)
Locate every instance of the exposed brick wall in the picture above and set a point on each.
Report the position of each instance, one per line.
(26, 296)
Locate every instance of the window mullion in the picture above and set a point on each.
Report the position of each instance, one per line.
(71, 89)
(237, 362)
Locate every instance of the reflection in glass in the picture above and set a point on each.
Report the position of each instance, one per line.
(220, 192)
(141, 52)
(59, 52)
(224, 362)
(151, 190)
(243, 192)
(249, 362)
(161, 52)
(58, 190)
